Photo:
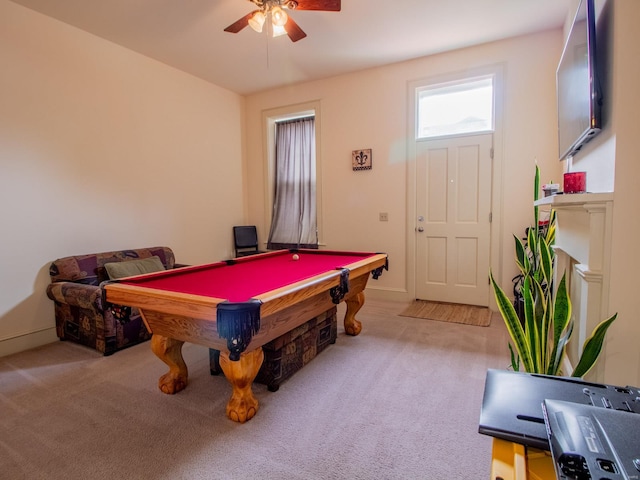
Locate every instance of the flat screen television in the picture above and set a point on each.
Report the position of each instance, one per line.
(577, 86)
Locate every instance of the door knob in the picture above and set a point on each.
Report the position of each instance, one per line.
(421, 229)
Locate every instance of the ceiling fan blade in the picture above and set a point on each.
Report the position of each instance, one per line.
(325, 5)
(293, 30)
(240, 24)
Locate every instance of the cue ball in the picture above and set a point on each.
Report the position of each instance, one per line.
(296, 256)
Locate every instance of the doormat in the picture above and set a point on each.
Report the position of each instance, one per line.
(449, 312)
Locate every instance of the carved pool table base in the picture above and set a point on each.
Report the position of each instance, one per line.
(169, 351)
(352, 326)
(242, 405)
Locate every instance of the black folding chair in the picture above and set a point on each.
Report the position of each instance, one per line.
(246, 240)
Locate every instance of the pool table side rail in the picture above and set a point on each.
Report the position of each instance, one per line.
(176, 303)
(311, 251)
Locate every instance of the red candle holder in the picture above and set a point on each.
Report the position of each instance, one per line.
(575, 182)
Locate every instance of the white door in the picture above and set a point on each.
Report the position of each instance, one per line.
(453, 192)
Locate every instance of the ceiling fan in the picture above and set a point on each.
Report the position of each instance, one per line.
(281, 23)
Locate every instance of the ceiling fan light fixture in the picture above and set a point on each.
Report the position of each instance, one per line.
(278, 30)
(273, 13)
(257, 21)
(278, 17)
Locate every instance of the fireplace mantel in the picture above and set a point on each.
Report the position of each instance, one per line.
(583, 251)
(576, 199)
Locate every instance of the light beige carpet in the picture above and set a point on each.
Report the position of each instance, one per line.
(449, 312)
(385, 405)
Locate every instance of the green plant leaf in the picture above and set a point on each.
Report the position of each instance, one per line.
(551, 230)
(515, 360)
(536, 193)
(532, 242)
(562, 310)
(592, 348)
(545, 322)
(546, 263)
(522, 259)
(530, 326)
(512, 322)
(558, 351)
(561, 324)
(541, 301)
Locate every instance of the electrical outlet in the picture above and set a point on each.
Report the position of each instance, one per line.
(384, 217)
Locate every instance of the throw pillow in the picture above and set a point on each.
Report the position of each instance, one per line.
(129, 268)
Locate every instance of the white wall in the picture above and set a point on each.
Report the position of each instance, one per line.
(611, 163)
(622, 364)
(103, 149)
(368, 109)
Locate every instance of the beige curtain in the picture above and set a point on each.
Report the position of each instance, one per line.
(293, 222)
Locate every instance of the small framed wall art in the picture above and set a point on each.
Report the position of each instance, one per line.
(361, 160)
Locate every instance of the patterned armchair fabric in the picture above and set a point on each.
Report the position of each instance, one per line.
(80, 314)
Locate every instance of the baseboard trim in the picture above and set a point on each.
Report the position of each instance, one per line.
(27, 341)
(392, 294)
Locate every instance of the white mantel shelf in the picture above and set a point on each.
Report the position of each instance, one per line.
(583, 252)
(574, 199)
(583, 226)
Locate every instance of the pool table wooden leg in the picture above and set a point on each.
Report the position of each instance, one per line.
(242, 405)
(169, 350)
(354, 304)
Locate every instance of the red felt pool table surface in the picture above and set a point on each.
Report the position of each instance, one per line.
(248, 277)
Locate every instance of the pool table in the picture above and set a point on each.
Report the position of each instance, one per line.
(238, 305)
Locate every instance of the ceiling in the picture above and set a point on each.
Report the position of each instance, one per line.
(189, 34)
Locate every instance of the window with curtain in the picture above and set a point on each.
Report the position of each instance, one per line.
(293, 222)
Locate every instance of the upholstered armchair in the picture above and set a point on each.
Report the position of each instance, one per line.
(80, 311)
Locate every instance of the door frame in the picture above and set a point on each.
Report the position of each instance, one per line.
(496, 227)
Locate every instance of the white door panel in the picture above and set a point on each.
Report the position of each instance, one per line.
(453, 208)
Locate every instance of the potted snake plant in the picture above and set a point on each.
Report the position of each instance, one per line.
(539, 340)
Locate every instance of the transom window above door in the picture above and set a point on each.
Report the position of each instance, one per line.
(459, 108)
